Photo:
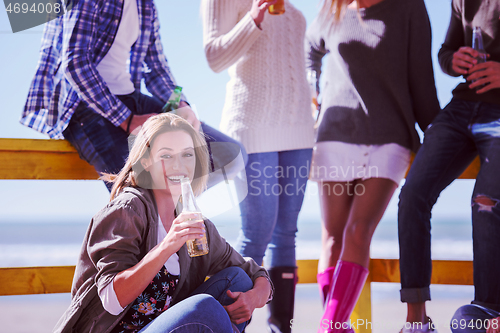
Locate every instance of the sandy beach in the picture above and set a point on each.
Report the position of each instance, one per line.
(39, 313)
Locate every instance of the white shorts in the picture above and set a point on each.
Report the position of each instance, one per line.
(342, 162)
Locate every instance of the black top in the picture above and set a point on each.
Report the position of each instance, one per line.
(465, 15)
(379, 79)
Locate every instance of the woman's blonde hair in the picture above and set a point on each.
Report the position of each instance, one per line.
(335, 9)
(134, 174)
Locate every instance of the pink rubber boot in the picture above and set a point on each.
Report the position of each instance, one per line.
(324, 282)
(347, 283)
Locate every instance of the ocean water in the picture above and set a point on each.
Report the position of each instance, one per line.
(57, 241)
(52, 244)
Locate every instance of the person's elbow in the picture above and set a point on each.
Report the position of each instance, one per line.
(213, 59)
(74, 66)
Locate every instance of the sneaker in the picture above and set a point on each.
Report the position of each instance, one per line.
(414, 328)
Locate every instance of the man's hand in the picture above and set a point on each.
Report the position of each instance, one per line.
(463, 60)
(187, 113)
(258, 10)
(135, 123)
(486, 76)
(494, 325)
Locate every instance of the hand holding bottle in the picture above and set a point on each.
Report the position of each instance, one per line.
(258, 10)
(185, 227)
(485, 76)
(188, 114)
(464, 59)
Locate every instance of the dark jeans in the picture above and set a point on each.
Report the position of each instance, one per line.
(105, 146)
(460, 132)
(203, 311)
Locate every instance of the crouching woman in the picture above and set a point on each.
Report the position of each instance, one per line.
(134, 273)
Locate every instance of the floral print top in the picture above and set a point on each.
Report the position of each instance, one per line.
(152, 302)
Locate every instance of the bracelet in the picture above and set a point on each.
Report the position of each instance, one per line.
(128, 124)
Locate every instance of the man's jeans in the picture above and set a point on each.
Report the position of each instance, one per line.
(460, 132)
(203, 311)
(276, 187)
(105, 146)
(473, 318)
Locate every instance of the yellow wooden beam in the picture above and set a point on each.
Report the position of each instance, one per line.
(36, 280)
(457, 272)
(42, 159)
(443, 271)
(57, 279)
(307, 270)
(361, 317)
(469, 173)
(472, 170)
(384, 270)
(57, 159)
(28, 145)
(452, 272)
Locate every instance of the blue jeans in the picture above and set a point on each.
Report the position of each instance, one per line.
(105, 146)
(460, 132)
(472, 318)
(203, 311)
(276, 187)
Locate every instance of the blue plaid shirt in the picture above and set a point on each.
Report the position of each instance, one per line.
(72, 46)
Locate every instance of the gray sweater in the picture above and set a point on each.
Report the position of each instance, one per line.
(465, 14)
(379, 79)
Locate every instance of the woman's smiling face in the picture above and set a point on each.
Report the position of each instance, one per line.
(172, 158)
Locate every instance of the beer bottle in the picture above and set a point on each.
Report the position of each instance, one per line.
(477, 44)
(199, 246)
(173, 101)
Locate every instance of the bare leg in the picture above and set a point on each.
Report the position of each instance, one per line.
(335, 208)
(416, 313)
(371, 198)
(364, 206)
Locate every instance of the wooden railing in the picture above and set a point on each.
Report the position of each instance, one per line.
(57, 159)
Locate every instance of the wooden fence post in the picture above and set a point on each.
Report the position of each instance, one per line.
(361, 317)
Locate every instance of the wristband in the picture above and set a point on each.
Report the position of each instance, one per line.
(128, 124)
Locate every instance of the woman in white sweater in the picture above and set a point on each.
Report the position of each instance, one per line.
(267, 108)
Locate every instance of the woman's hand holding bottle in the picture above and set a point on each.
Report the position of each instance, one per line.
(186, 226)
(258, 10)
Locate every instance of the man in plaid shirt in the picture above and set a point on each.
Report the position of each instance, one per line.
(87, 85)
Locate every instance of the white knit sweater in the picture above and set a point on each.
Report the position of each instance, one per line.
(268, 100)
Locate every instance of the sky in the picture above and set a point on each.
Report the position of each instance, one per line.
(181, 33)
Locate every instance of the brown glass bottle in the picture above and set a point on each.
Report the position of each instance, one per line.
(199, 246)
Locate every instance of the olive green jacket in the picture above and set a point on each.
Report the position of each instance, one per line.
(118, 237)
